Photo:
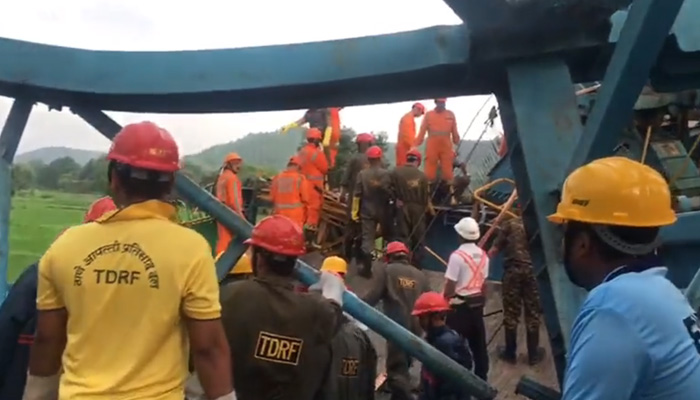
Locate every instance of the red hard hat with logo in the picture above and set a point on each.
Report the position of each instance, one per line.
(415, 153)
(364, 138)
(313, 133)
(147, 146)
(396, 247)
(278, 234)
(374, 152)
(430, 302)
(98, 208)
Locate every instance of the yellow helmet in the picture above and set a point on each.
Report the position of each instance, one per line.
(243, 266)
(335, 264)
(615, 191)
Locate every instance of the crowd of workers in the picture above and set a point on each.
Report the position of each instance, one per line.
(128, 305)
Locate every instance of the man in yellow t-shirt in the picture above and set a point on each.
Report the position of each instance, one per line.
(120, 298)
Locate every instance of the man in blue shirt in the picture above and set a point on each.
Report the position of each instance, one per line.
(636, 336)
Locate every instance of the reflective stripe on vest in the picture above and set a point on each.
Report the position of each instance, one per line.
(438, 133)
(288, 206)
(478, 278)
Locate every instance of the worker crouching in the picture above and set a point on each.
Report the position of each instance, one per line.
(398, 284)
(280, 339)
(354, 362)
(431, 309)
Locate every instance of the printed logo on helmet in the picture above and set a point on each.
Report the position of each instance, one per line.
(157, 152)
(278, 349)
(580, 202)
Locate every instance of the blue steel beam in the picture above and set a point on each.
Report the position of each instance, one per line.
(9, 140)
(643, 35)
(438, 362)
(541, 117)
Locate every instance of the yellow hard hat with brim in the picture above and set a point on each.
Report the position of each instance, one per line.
(615, 191)
(335, 264)
(243, 266)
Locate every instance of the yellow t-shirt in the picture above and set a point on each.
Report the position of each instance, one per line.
(126, 282)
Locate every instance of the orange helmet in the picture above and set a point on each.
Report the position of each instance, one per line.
(278, 234)
(294, 160)
(364, 138)
(98, 208)
(430, 302)
(232, 157)
(396, 247)
(419, 106)
(415, 153)
(374, 152)
(145, 145)
(313, 133)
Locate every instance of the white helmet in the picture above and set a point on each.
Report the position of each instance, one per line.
(468, 229)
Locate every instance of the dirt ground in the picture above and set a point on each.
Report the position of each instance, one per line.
(503, 376)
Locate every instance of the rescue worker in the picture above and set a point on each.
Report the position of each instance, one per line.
(289, 193)
(314, 166)
(280, 339)
(332, 139)
(241, 271)
(519, 290)
(18, 319)
(229, 191)
(398, 284)
(636, 336)
(411, 191)
(358, 162)
(431, 308)
(465, 281)
(354, 362)
(327, 121)
(370, 206)
(440, 125)
(462, 179)
(407, 133)
(119, 299)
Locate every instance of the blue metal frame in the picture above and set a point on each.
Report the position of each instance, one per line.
(9, 140)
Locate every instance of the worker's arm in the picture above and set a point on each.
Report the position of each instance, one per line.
(453, 130)
(50, 337)
(599, 337)
(377, 287)
(407, 131)
(273, 190)
(321, 163)
(328, 132)
(452, 273)
(233, 193)
(501, 240)
(330, 315)
(356, 198)
(301, 121)
(202, 311)
(369, 365)
(422, 131)
(17, 310)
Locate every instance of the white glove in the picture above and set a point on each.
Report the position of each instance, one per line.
(331, 287)
(230, 396)
(194, 390)
(41, 387)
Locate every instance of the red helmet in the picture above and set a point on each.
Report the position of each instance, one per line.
(415, 153)
(278, 234)
(396, 247)
(430, 302)
(294, 160)
(374, 152)
(313, 133)
(147, 146)
(98, 208)
(364, 138)
(419, 106)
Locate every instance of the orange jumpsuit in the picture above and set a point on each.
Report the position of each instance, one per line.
(289, 193)
(334, 114)
(230, 192)
(440, 127)
(407, 135)
(314, 167)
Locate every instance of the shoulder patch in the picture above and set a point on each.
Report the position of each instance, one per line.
(349, 367)
(278, 349)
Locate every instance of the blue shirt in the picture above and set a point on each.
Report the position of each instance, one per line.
(636, 337)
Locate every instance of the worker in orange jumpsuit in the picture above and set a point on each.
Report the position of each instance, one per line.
(331, 143)
(407, 133)
(440, 125)
(289, 193)
(314, 166)
(230, 192)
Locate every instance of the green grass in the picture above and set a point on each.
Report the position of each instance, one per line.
(36, 219)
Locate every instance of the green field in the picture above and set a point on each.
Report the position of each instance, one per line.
(37, 218)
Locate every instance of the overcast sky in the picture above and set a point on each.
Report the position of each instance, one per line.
(210, 24)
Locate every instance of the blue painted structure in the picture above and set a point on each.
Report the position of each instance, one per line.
(528, 53)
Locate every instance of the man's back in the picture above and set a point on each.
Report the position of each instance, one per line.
(125, 284)
(354, 367)
(643, 318)
(280, 340)
(405, 283)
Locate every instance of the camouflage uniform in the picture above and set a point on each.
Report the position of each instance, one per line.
(519, 289)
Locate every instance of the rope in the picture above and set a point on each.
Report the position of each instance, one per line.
(466, 161)
(646, 145)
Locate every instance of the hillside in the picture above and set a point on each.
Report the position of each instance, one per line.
(48, 154)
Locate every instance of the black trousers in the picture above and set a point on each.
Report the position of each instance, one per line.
(468, 320)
